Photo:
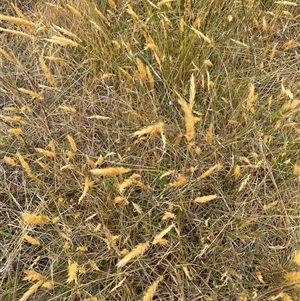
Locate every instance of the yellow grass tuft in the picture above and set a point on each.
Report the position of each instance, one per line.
(72, 272)
(160, 235)
(31, 290)
(189, 118)
(237, 172)
(62, 41)
(32, 275)
(14, 119)
(48, 284)
(181, 180)
(209, 134)
(16, 131)
(168, 215)
(15, 32)
(137, 251)
(47, 72)
(72, 143)
(202, 36)
(119, 199)
(25, 166)
(112, 4)
(87, 185)
(34, 219)
(152, 289)
(210, 171)
(75, 11)
(126, 74)
(155, 128)
(68, 109)
(259, 276)
(81, 249)
(192, 91)
(282, 295)
(6, 55)
(243, 296)
(102, 17)
(19, 21)
(141, 69)
(136, 18)
(292, 276)
(66, 32)
(17, 10)
(296, 258)
(205, 199)
(131, 180)
(252, 97)
(9, 161)
(32, 240)
(91, 299)
(270, 205)
(45, 152)
(137, 208)
(90, 162)
(150, 77)
(297, 170)
(109, 171)
(33, 94)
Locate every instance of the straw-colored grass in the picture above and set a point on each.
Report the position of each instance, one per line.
(149, 150)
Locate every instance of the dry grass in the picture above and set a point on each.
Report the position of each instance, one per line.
(149, 150)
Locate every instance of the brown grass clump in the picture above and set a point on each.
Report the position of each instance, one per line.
(148, 138)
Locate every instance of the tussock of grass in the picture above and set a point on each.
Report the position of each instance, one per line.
(149, 150)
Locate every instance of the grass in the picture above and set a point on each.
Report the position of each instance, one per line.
(149, 150)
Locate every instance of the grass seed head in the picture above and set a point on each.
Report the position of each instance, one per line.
(109, 171)
(137, 251)
(34, 219)
(152, 289)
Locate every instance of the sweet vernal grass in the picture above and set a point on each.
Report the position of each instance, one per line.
(149, 150)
